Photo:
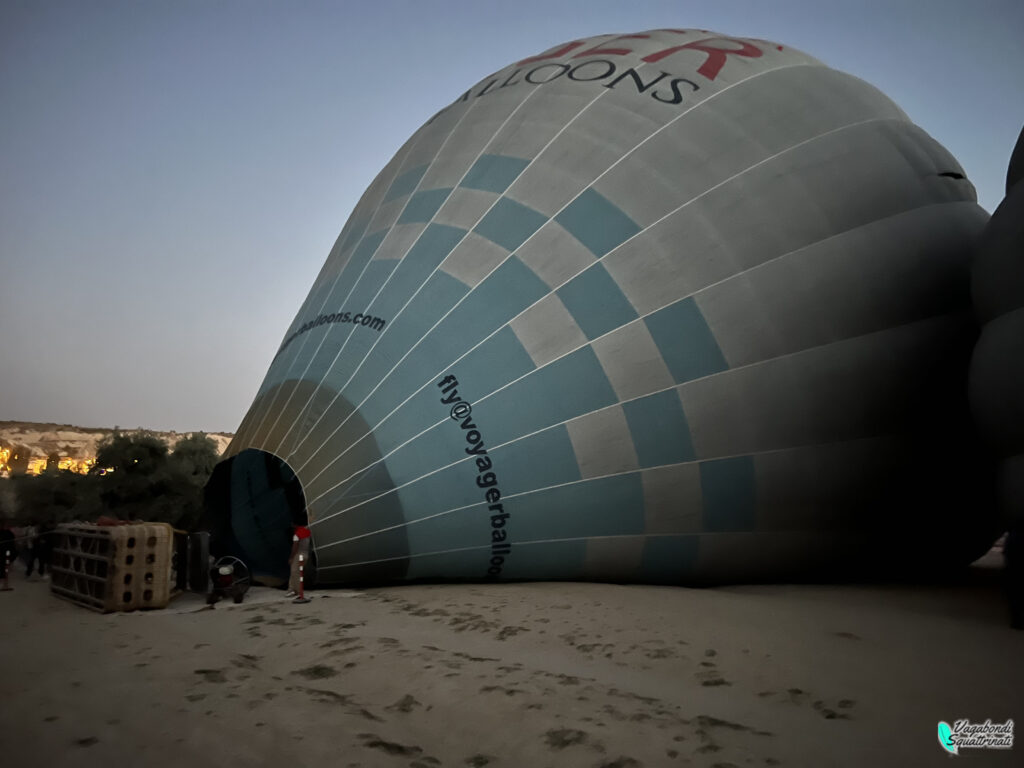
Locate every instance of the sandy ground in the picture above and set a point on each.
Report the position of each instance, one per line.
(546, 674)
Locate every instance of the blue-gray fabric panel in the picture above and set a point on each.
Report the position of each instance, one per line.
(333, 300)
(568, 387)
(547, 560)
(685, 341)
(596, 222)
(669, 559)
(844, 391)
(423, 205)
(423, 258)
(437, 295)
(494, 173)
(491, 365)
(538, 461)
(596, 303)
(312, 355)
(885, 273)
(509, 223)
(607, 506)
(359, 339)
(405, 183)
(511, 288)
(729, 494)
(659, 429)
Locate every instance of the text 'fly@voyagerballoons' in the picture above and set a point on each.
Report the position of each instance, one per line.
(462, 413)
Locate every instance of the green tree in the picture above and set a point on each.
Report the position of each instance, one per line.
(192, 462)
(135, 478)
(137, 454)
(196, 456)
(55, 496)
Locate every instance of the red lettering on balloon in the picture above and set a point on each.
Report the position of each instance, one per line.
(611, 51)
(554, 53)
(716, 57)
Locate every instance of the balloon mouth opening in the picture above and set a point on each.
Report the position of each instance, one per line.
(252, 503)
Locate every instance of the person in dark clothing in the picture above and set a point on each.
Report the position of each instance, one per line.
(7, 552)
(39, 551)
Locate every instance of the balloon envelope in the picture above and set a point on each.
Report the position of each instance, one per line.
(997, 366)
(665, 307)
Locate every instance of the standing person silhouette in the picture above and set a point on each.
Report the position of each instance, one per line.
(7, 553)
(300, 550)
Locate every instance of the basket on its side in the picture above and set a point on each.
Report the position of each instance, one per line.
(114, 568)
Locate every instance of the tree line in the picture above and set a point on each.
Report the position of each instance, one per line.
(135, 477)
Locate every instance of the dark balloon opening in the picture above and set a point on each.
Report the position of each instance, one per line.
(251, 504)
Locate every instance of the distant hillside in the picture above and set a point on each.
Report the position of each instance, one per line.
(77, 444)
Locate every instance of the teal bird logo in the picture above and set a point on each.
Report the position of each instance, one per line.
(946, 738)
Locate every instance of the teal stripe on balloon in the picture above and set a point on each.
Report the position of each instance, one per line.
(500, 360)
(729, 493)
(562, 390)
(509, 223)
(441, 495)
(547, 560)
(510, 288)
(362, 254)
(668, 559)
(358, 228)
(494, 173)
(465, 564)
(609, 506)
(661, 434)
(405, 183)
(423, 205)
(597, 223)
(432, 247)
(685, 341)
(596, 302)
(516, 464)
(437, 295)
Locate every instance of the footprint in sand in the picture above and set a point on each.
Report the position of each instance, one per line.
(712, 680)
(373, 741)
(316, 672)
(405, 704)
(564, 737)
(211, 675)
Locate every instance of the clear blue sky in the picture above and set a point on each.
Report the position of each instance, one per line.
(173, 174)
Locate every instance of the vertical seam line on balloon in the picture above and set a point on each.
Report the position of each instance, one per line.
(294, 447)
(552, 218)
(350, 292)
(268, 408)
(487, 144)
(646, 394)
(646, 229)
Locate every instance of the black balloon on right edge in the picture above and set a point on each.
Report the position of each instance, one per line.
(997, 367)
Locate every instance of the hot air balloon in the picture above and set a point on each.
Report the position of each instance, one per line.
(667, 307)
(997, 367)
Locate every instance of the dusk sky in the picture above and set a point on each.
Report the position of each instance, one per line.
(173, 174)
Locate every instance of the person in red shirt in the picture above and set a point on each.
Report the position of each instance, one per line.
(300, 546)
